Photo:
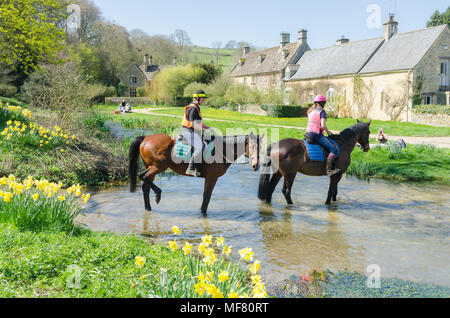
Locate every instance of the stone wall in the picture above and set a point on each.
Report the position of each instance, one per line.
(428, 119)
(260, 81)
(430, 66)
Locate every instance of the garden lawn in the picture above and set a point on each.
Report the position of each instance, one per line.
(392, 128)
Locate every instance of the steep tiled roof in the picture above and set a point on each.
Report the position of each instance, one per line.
(274, 60)
(342, 59)
(404, 50)
(153, 70)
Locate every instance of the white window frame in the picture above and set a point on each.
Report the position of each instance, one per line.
(428, 100)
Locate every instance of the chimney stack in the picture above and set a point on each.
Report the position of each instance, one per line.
(285, 38)
(342, 40)
(390, 27)
(146, 62)
(151, 60)
(302, 36)
(245, 50)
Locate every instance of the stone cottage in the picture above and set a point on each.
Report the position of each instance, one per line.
(266, 68)
(138, 75)
(377, 78)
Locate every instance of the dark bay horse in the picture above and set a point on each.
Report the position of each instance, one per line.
(156, 153)
(289, 156)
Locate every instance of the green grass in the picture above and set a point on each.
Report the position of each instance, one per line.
(415, 163)
(39, 265)
(392, 128)
(206, 55)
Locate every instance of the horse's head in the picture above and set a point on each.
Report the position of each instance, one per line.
(252, 150)
(363, 136)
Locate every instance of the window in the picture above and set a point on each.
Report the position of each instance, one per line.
(444, 68)
(133, 79)
(428, 100)
(133, 92)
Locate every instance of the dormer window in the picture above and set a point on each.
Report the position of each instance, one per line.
(261, 58)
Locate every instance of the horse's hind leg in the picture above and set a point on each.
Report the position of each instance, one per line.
(148, 177)
(288, 182)
(272, 185)
(332, 191)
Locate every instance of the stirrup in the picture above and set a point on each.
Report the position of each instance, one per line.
(332, 172)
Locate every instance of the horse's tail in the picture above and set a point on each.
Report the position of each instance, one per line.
(265, 175)
(133, 154)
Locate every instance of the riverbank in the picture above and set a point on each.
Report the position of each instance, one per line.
(80, 151)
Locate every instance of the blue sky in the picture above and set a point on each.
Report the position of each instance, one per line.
(261, 21)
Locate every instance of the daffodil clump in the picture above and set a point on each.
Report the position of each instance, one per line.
(20, 130)
(39, 205)
(207, 272)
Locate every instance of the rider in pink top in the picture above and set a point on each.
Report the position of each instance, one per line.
(317, 124)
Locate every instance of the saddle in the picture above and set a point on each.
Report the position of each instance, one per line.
(316, 152)
(184, 150)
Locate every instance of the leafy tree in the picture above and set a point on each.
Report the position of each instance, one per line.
(90, 14)
(209, 72)
(438, 18)
(29, 33)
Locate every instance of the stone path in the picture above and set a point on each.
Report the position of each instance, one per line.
(440, 142)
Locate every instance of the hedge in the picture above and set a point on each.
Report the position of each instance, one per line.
(286, 111)
(132, 100)
(432, 109)
(182, 101)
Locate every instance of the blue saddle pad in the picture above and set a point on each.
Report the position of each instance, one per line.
(317, 153)
(184, 151)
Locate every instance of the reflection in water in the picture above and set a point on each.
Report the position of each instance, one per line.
(403, 228)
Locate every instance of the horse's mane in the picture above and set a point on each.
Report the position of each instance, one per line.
(350, 132)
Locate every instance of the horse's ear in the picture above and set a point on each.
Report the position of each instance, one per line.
(357, 121)
(368, 124)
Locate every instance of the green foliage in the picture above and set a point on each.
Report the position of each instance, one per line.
(438, 18)
(29, 33)
(286, 111)
(432, 109)
(140, 92)
(211, 72)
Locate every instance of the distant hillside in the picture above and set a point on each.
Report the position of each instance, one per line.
(206, 55)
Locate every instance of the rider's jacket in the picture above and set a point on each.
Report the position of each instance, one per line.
(314, 125)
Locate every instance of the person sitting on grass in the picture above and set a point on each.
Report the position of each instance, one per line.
(382, 138)
(122, 106)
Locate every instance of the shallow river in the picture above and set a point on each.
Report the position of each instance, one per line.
(403, 228)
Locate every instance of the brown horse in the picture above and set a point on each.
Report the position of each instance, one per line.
(156, 153)
(289, 156)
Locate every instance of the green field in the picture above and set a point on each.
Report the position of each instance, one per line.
(206, 55)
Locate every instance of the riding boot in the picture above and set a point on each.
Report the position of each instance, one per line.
(330, 163)
(194, 169)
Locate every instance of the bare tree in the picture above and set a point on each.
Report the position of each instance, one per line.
(182, 38)
(216, 46)
(230, 45)
(90, 14)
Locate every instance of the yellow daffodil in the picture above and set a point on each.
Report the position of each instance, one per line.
(207, 240)
(255, 267)
(7, 197)
(223, 276)
(35, 196)
(246, 254)
(233, 294)
(187, 248)
(173, 245)
(176, 230)
(140, 261)
(226, 250)
(219, 241)
(61, 198)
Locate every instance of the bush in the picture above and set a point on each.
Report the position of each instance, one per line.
(62, 88)
(140, 92)
(7, 90)
(286, 111)
(432, 109)
(182, 101)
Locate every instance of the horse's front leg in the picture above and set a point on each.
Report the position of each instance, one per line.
(332, 191)
(210, 183)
